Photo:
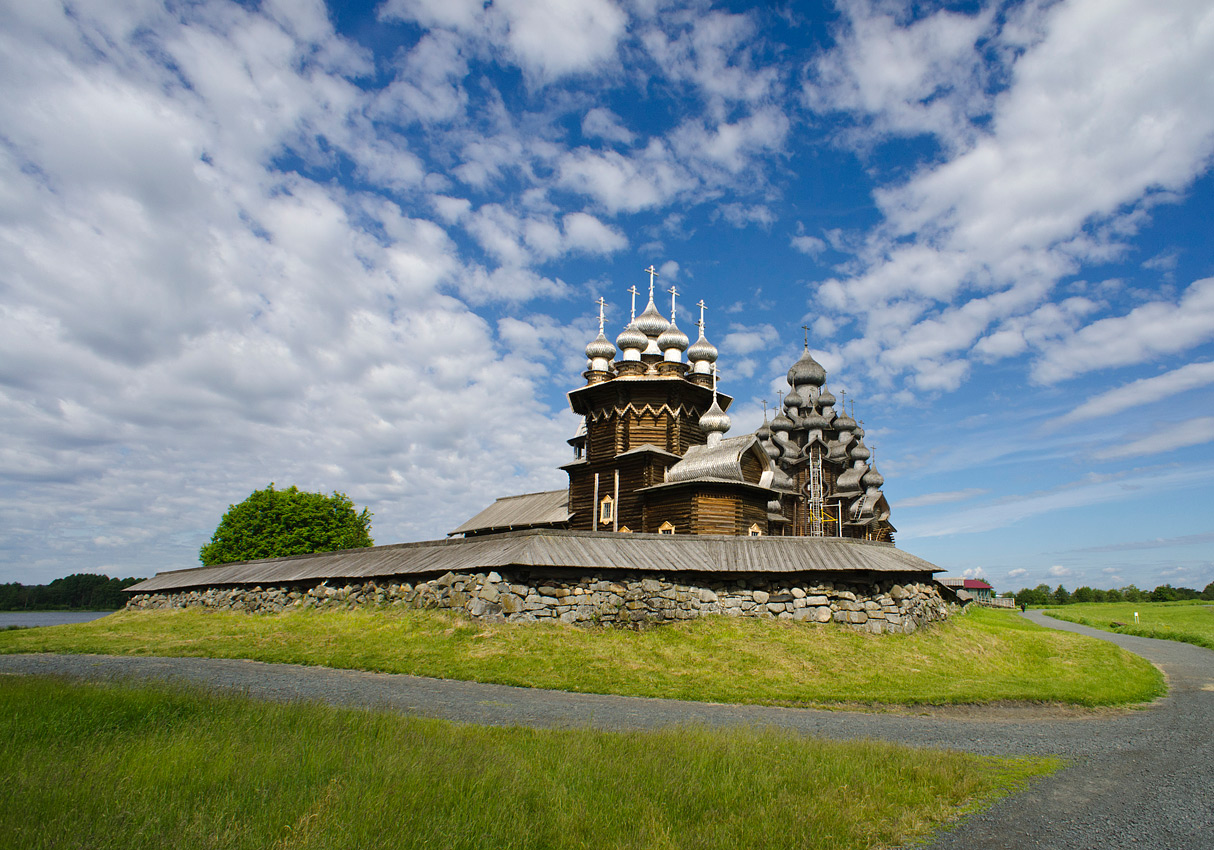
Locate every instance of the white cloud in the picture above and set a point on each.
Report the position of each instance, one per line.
(1138, 394)
(1191, 432)
(809, 245)
(974, 572)
(1059, 572)
(548, 39)
(922, 77)
(601, 123)
(1146, 332)
(1078, 148)
(742, 339)
(1017, 573)
(942, 498)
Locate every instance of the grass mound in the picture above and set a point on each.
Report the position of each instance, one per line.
(984, 656)
(113, 766)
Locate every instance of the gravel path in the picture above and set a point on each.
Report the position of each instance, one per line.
(1141, 776)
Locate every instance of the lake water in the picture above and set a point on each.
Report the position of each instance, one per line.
(47, 618)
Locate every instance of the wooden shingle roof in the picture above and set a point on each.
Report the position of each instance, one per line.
(560, 548)
(530, 510)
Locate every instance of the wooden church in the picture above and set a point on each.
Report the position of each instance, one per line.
(652, 455)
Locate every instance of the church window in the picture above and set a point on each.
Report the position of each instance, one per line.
(606, 510)
(666, 528)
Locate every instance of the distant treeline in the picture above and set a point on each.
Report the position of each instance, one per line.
(80, 592)
(1042, 595)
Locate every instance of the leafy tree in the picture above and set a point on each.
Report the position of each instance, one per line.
(1083, 594)
(1113, 595)
(1061, 596)
(79, 591)
(275, 523)
(1208, 593)
(1039, 595)
(1099, 595)
(1132, 594)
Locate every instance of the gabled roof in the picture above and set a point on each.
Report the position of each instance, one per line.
(560, 548)
(530, 510)
(720, 462)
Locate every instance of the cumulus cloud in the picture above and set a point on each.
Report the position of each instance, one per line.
(1078, 148)
(1146, 332)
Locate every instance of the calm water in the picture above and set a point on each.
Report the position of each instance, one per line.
(47, 618)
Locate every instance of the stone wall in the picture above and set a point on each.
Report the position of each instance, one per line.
(892, 605)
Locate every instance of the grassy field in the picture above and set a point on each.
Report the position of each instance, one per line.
(114, 766)
(983, 656)
(1190, 622)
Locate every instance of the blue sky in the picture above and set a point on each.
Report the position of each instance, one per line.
(357, 247)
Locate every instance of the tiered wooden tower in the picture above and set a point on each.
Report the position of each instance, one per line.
(652, 456)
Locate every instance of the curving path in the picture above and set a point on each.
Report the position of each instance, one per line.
(1139, 778)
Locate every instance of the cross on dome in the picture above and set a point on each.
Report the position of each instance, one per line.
(602, 302)
(673, 292)
(700, 304)
(635, 292)
(806, 329)
(652, 274)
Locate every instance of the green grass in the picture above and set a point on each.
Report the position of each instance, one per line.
(126, 767)
(1189, 621)
(981, 657)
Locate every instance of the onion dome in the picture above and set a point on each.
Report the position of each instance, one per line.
(843, 422)
(860, 451)
(651, 322)
(702, 351)
(600, 348)
(631, 338)
(715, 420)
(782, 423)
(806, 371)
(673, 342)
(772, 450)
(872, 479)
(774, 507)
(814, 421)
(793, 400)
(826, 398)
(764, 430)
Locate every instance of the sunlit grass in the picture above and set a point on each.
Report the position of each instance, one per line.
(1190, 621)
(116, 766)
(983, 656)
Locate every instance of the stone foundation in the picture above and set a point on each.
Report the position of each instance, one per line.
(889, 606)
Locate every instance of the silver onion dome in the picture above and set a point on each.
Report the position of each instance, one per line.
(600, 348)
(860, 451)
(781, 422)
(672, 337)
(715, 420)
(632, 338)
(872, 479)
(702, 351)
(843, 422)
(651, 322)
(806, 371)
(793, 400)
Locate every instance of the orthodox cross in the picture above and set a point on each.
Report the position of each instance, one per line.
(635, 292)
(701, 325)
(602, 306)
(764, 410)
(806, 329)
(652, 274)
(780, 407)
(843, 401)
(673, 292)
